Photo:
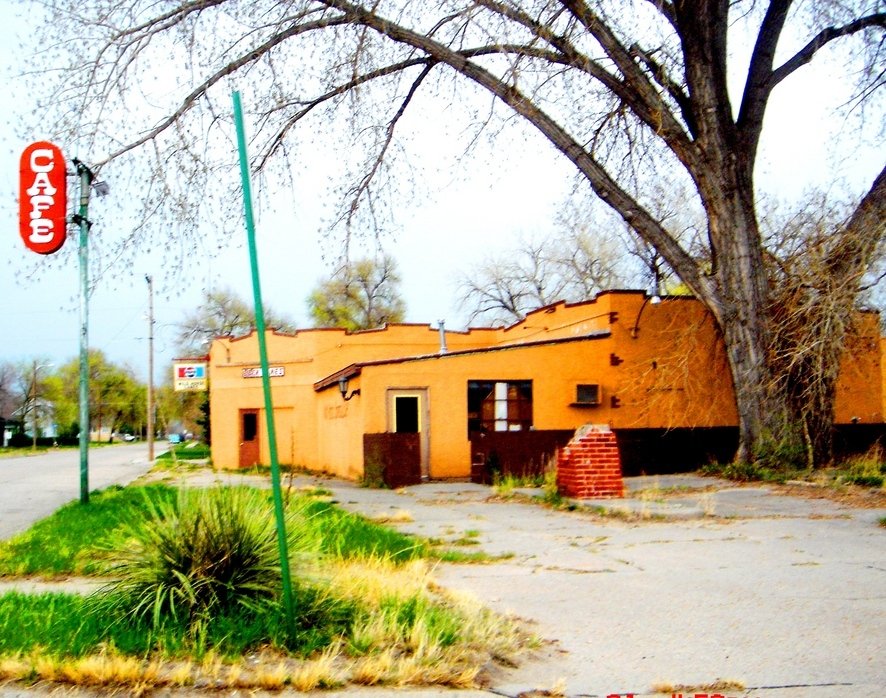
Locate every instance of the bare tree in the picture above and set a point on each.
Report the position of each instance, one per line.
(625, 91)
(573, 266)
(7, 399)
(815, 283)
(360, 295)
(222, 314)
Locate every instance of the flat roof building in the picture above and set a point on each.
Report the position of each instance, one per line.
(416, 402)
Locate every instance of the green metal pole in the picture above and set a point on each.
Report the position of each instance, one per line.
(85, 181)
(263, 358)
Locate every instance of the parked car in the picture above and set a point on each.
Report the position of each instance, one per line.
(175, 438)
(127, 437)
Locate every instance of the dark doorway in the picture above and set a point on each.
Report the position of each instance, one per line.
(250, 451)
(406, 414)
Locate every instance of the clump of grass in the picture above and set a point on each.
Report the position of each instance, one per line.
(751, 472)
(551, 488)
(399, 516)
(504, 485)
(204, 554)
(469, 537)
(546, 480)
(865, 470)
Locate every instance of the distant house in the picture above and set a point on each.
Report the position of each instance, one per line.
(414, 402)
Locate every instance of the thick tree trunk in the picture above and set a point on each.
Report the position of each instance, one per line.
(740, 304)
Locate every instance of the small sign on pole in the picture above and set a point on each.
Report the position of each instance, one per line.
(189, 376)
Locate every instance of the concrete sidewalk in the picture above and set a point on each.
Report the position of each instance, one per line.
(782, 595)
(696, 582)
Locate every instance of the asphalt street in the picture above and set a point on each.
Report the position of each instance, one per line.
(34, 486)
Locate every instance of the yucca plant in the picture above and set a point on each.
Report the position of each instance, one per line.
(209, 552)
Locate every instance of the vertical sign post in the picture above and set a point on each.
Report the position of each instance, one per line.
(42, 224)
(263, 357)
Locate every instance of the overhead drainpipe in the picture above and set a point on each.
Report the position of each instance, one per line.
(442, 330)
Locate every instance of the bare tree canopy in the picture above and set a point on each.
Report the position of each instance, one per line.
(573, 266)
(361, 295)
(627, 91)
(222, 314)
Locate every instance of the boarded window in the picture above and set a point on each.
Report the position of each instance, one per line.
(499, 406)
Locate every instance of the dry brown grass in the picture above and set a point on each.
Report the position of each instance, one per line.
(847, 495)
(395, 517)
(374, 669)
(716, 685)
(14, 668)
(319, 672)
(107, 669)
(397, 652)
(272, 678)
(180, 674)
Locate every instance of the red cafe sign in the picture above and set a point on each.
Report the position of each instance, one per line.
(43, 197)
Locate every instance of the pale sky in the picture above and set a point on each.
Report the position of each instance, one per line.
(483, 211)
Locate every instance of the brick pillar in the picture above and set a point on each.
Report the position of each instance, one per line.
(589, 466)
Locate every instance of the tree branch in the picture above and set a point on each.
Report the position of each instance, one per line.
(825, 36)
(602, 183)
(759, 83)
(364, 184)
(245, 59)
(639, 93)
(312, 104)
(866, 227)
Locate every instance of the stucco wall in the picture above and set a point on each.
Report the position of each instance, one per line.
(658, 365)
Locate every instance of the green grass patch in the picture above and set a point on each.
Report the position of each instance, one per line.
(70, 625)
(752, 472)
(187, 451)
(66, 542)
(351, 536)
(863, 470)
(62, 544)
(181, 591)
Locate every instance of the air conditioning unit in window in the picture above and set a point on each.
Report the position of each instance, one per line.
(587, 394)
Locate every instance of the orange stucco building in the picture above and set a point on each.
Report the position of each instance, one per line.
(618, 360)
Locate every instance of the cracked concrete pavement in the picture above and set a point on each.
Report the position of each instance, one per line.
(784, 596)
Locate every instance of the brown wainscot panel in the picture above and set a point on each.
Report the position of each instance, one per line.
(395, 459)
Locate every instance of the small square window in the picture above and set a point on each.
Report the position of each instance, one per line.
(587, 394)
